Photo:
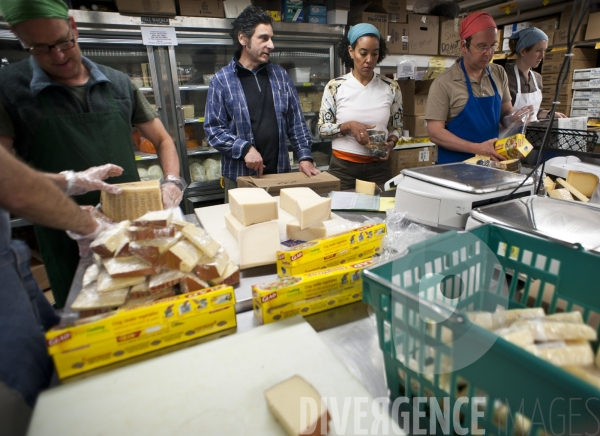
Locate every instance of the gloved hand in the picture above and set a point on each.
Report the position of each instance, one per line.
(84, 241)
(92, 180)
(172, 188)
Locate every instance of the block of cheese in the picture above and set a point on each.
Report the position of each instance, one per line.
(140, 291)
(543, 330)
(136, 199)
(152, 249)
(520, 314)
(305, 205)
(258, 244)
(517, 335)
(285, 402)
(574, 192)
(155, 219)
(201, 239)
(127, 267)
(106, 283)
(584, 182)
(89, 298)
(182, 256)
(561, 194)
(233, 225)
(574, 316)
(111, 240)
(136, 233)
(230, 277)
(363, 187)
(162, 281)
(560, 353)
(252, 205)
(319, 230)
(208, 269)
(549, 184)
(192, 283)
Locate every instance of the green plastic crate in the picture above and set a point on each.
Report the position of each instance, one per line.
(400, 293)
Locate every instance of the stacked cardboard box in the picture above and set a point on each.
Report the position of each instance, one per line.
(449, 37)
(548, 26)
(562, 33)
(424, 34)
(586, 102)
(582, 58)
(370, 13)
(315, 14)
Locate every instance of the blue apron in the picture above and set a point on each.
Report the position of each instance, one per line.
(477, 122)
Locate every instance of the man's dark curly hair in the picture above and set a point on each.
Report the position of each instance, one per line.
(342, 50)
(247, 22)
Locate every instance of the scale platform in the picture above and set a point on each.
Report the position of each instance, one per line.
(444, 195)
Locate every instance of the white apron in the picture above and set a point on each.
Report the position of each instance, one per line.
(530, 99)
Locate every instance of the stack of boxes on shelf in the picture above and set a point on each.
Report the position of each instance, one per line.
(291, 10)
(583, 58)
(586, 93)
(315, 14)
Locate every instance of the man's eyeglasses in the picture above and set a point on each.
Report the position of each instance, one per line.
(45, 49)
(483, 48)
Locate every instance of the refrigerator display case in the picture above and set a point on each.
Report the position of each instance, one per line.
(175, 79)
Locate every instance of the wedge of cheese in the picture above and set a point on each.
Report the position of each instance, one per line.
(363, 187)
(140, 291)
(156, 218)
(201, 239)
(89, 298)
(561, 194)
(258, 243)
(127, 267)
(106, 283)
(136, 233)
(152, 249)
(584, 182)
(319, 230)
(208, 269)
(286, 400)
(162, 281)
(111, 240)
(231, 276)
(308, 207)
(574, 192)
(192, 283)
(182, 256)
(252, 205)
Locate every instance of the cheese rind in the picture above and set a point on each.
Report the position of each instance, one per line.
(156, 219)
(106, 283)
(363, 187)
(252, 205)
(230, 276)
(182, 256)
(127, 267)
(214, 267)
(286, 400)
(111, 240)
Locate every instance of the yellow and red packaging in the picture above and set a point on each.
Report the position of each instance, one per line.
(513, 147)
(104, 339)
(362, 242)
(308, 293)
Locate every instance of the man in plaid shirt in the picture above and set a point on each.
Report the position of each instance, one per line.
(253, 142)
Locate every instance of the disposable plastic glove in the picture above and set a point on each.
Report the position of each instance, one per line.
(92, 180)
(172, 188)
(84, 241)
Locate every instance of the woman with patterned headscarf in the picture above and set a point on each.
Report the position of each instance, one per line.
(359, 101)
(525, 85)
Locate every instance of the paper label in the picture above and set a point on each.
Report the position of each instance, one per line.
(424, 156)
(159, 36)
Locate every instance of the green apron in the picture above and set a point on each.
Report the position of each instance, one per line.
(77, 142)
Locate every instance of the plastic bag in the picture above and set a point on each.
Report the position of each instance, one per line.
(212, 168)
(519, 121)
(197, 172)
(142, 172)
(376, 146)
(401, 234)
(154, 172)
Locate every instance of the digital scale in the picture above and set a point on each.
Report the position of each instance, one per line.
(444, 195)
(551, 218)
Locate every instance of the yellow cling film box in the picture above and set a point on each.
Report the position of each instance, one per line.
(186, 316)
(320, 248)
(513, 147)
(355, 254)
(308, 293)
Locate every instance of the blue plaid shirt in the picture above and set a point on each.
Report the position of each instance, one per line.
(228, 127)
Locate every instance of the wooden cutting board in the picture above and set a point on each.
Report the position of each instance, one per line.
(212, 219)
(213, 389)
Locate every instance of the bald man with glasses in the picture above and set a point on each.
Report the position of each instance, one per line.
(63, 113)
(468, 102)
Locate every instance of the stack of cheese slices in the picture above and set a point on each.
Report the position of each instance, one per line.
(143, 260)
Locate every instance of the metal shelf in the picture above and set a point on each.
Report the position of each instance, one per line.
(140, 155)
(194, 120)
(193, 88)
(201, 150)
(145, 89)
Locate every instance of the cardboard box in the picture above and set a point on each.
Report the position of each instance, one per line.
(547, 25)
(412, 158)
(424, 31)
(565, 17)
(509, 29)
(101, 340)
(322, 183)
(308, 293)
(398, 43)
(551, 67)
(416, 125)
(294, 259)
(396, 8)
(337, 16)
(378, 20)
(38, 270)
(561, 35)
(202, 8)
(235, 7)
(414, 96)
(593, 26)
(165, 8)
(449, 37)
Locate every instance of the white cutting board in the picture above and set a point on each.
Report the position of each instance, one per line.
(212, 389)
(212, 219)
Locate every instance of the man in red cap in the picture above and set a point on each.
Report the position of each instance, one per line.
(463, 116)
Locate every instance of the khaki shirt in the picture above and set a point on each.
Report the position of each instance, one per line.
(448, 94)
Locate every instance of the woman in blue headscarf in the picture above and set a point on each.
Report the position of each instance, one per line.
(358, 101)
(525, 85)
